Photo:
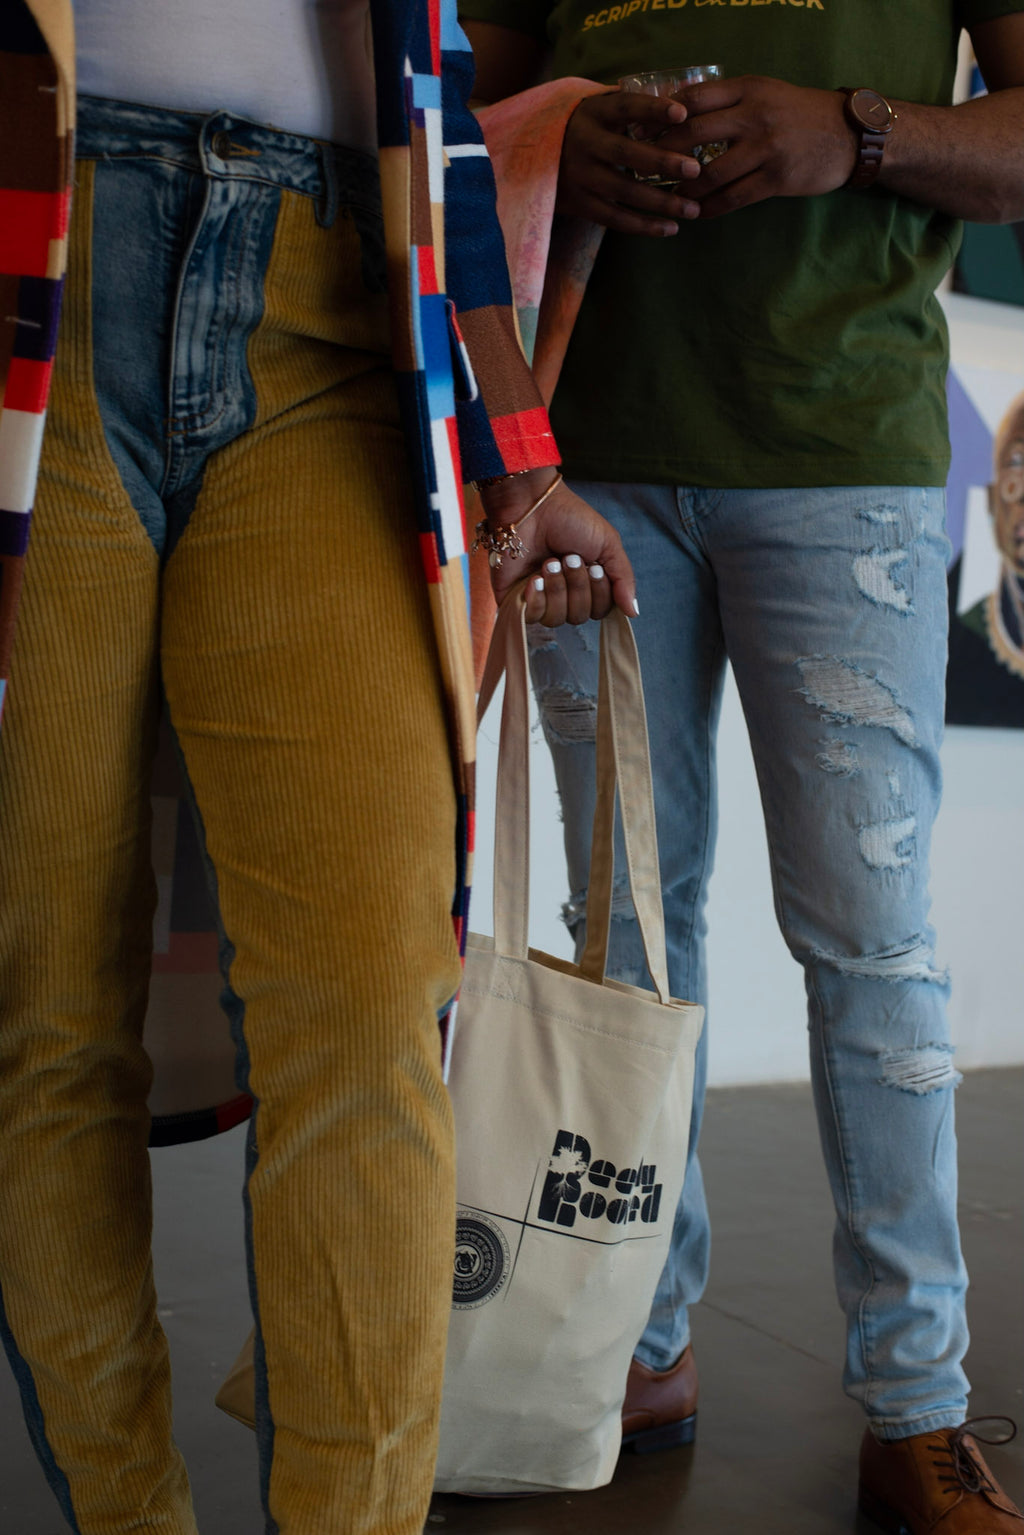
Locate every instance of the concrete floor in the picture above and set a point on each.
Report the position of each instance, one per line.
(777, 1441)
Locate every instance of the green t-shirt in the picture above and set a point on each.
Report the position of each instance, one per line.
(795, 342)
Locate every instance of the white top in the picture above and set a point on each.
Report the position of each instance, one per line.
(302, 65)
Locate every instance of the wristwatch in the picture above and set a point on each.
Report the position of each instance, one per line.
(872, 119)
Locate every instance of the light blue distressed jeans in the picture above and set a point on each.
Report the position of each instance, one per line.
(831, 607)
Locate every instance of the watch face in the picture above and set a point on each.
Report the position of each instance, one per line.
(871, 110)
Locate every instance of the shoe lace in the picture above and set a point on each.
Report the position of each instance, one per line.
(959, 1467)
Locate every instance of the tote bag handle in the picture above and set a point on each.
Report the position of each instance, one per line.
(623, 755)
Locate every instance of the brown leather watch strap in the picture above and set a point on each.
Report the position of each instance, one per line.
(872, 119)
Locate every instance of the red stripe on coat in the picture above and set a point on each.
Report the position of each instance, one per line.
(28, 384)
(428, 554)
(520, 435)
(427, 268)
(434, 13)
(28, 222)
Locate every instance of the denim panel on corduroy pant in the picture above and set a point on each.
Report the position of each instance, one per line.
(224, 518)
(831, 606)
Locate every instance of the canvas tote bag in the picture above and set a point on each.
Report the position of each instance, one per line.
(572, 1105)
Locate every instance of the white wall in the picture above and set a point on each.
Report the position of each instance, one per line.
(756, 991)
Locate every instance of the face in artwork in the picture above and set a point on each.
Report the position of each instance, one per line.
(1007, 492)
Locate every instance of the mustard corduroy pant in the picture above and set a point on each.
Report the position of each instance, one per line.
(285, 617)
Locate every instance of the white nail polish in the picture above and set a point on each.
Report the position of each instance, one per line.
(596, 572)
(553, 567)
(636, 607)
(573, 561)
(538, 584)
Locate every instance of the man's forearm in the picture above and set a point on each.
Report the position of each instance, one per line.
(967, 160)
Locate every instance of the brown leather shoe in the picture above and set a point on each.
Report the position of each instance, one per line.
(936, 1482)
(660, 1409)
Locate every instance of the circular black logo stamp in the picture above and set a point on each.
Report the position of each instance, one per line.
(481, 1259)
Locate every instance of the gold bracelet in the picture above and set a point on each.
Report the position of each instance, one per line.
(505, 539)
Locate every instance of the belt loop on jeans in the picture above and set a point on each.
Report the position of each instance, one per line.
(327, 205)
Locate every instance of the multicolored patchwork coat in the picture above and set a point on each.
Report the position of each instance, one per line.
(469, 403)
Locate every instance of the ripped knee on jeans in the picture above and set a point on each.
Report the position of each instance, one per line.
(915, 1069)
(920, 1069)
(569, 715)
(910, 960)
